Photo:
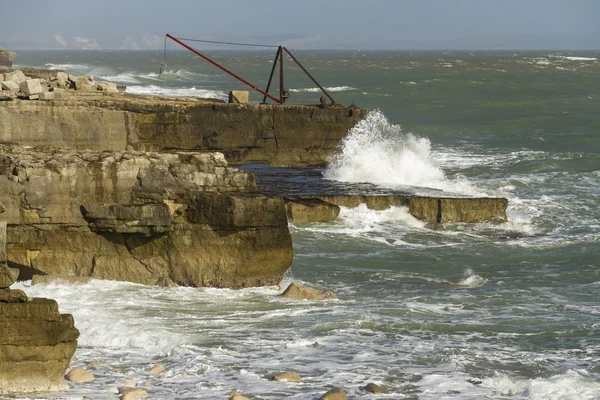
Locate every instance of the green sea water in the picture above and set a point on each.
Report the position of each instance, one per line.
(457, 311)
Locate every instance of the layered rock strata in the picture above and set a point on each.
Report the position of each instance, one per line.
(36, 341)
(152, 218)
(291, 135)
(428, 209)
(6, 58)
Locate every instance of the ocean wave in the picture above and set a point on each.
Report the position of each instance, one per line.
(156, 90)
(378, 152)
(124, 77)
(66, 67)
(329, 89)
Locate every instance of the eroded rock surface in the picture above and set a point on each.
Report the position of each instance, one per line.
(290, 135)
(36, 341)
(152, 218)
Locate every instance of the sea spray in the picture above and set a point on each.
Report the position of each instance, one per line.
(378, 152)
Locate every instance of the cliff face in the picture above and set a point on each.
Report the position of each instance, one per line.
(6, 58)
(36, 341)
(279, 135)
(183, 218)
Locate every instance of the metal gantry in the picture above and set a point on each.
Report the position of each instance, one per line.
(283, 93)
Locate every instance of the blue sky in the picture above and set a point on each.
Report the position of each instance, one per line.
(416, 20)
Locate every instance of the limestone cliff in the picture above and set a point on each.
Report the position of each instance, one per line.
(36, 341)
(291, 135)
(6, 58)
(153, 218)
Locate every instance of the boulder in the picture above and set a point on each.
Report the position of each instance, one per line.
(234, 395)
(128, 382)
(15, 76)
(238, 96)
(46, 96)
(62, 76)
(157, 369)
(299, 292)
(84, 83)
(5, 95)
(334, 394)
(109, 87)
(79, 375)
(287, 377)
(31, 87)
(373, 388)
(306, 210)
(37, 344)
(10, 86)
(132, 393)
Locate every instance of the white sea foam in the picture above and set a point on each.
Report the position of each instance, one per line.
(329, 89)
(580, 58)
(67, 67)
(125, 77)
(572, 385)
(378, 152)
(157, 90)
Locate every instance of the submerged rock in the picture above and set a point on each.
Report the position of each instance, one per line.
(132, 393)
(157, 369)
(334, 394)
(287, 377)
(305, 210)
(373, 388)
(79, 375)
(297, 291)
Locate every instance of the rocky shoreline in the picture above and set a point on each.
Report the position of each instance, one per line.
(101, 184)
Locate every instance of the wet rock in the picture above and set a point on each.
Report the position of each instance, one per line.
(79, 375)
(287, 377)
(94, 364)
(157, 369)
(60, 279)
(306, 210)
(233, 395)
(12, 296)
(128, 382)
(373, 388)
(132, 393)
(334, 394)
(297, 291)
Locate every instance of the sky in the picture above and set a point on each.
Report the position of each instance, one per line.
(415, 20)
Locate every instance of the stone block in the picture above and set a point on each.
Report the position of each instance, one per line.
(31, 86)
(11, 86)
(47, 96)
(62, 76)
(34, 97)
(239, 96)
(1, 78)
(16, 76)
(109, 87)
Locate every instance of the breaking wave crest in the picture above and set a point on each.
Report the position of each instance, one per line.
(378, 152)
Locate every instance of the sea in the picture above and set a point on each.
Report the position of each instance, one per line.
(452, 311)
